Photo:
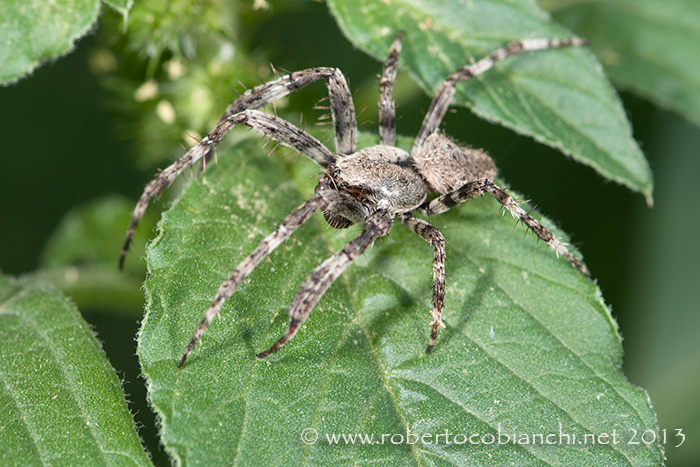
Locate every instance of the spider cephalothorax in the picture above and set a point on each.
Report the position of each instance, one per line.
(369, 186)
(375, 177)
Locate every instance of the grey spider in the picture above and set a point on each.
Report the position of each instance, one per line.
(369, 186)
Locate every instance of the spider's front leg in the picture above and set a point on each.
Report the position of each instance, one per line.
(313, 288)
(342, 107)
(243, 111)
(268, 125)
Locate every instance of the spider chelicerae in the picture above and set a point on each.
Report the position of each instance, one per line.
(370, 186)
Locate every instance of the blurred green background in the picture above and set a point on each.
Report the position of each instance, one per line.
(66, 143)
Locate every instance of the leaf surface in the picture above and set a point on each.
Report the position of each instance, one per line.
(79, 256)
(530, 347)
(62, 403)
(647, 47)
(34, 31)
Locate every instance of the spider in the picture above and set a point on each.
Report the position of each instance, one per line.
(369, 186)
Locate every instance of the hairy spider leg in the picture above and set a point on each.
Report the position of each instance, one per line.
(478, 187)
(433, 236)
(387, 136)
(325, 199)
(342, 107)
(342, 110)
(269, 125)
(387, 107)
(312, 289)
(446, 91)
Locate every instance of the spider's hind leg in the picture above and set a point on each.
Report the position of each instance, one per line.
(484, 185)
(313, 288)
(446, 91)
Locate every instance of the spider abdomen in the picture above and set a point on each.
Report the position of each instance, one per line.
(446, 165)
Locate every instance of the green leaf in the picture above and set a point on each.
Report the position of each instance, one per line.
(91, 234)
(79, 257)
(529, 347)
(62, 403)
(559, 97)
(34, 31)
(646, 46)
